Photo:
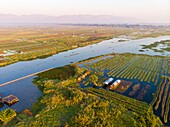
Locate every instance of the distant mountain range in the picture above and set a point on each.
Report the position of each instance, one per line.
(67, 19)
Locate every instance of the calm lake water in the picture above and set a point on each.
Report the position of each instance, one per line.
(24, 90)
(28, 92)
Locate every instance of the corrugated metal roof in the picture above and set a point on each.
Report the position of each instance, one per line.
(109, 80)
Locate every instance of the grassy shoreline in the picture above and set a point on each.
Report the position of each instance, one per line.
(18, 57)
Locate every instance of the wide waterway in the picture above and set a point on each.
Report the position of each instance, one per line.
(28, 92)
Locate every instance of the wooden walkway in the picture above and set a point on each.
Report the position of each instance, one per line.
(18, 79)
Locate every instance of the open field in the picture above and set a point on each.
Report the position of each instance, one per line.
(30, 42)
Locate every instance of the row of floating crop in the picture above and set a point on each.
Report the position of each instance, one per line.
(148, 69)
(120, 67)
(163, 97)
(167, 101)
(157, 92)
(143, 68)
(160, 94)
(167, 108)
(131, 104)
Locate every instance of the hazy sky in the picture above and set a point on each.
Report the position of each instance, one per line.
(148, 10)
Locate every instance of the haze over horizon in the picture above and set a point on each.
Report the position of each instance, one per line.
(148, 11)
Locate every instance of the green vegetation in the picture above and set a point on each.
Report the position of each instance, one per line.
(165, 46)
(94, 79)
(31, 43)
(7, 115)
(154, 71)
(167, 109)
(70, 106)
(39, 42)
(140, 67)
(55, 75)
(64, 103)
(151, 33)
(131, 104)
(163, 99)
(62, 73)
(122, 40)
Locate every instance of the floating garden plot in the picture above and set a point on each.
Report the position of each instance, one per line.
(143, 78)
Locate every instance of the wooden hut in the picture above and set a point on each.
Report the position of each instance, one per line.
(114, 85)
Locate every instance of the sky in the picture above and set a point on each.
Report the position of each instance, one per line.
(157, 11)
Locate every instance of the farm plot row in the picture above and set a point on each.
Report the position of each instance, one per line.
(129, 103)
(143, 68)
(162, 99)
